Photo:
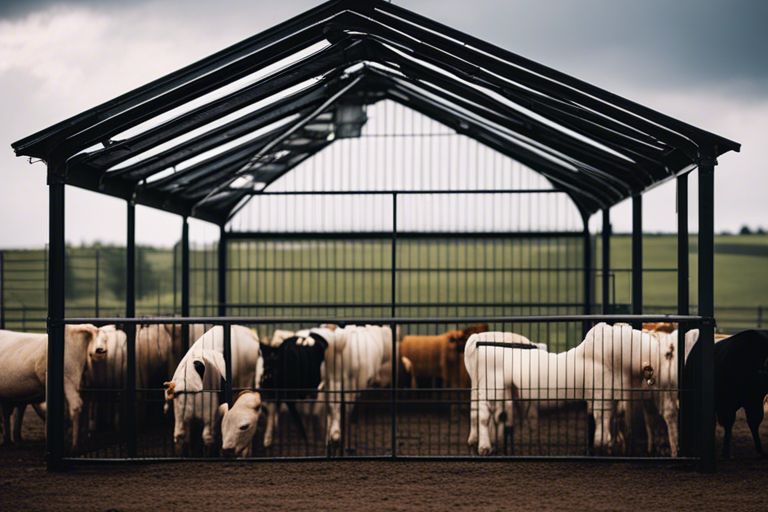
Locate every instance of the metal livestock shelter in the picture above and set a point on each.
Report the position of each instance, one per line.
(365, 164)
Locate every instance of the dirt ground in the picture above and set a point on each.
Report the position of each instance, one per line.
(741, 484)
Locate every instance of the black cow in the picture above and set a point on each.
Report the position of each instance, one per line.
(741, 380)
(291, 373)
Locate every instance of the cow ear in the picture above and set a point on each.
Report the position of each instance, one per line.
(223, 409)
(199, 368)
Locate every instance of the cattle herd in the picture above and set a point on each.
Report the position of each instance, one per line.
(317, 375)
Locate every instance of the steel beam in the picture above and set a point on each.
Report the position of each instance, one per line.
(683, 308)
(130, 330)
(637, 254)
(54, 423)
(587, 273)
(707, 310)
(222, 271)
(185, 280)
(606, 260)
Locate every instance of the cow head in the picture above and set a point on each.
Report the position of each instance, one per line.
(459, 337)
(98, 340)
(238, 424)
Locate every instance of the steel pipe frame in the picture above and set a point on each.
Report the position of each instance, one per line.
(130, 330)
(185, 280)
(54, 419)
(706, 298)
(637, 255)
(606, 261)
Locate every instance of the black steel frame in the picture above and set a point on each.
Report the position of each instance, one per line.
(657, 147)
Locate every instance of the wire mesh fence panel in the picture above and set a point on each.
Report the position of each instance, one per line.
(478, 388)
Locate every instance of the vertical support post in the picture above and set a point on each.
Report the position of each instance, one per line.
(2, 289)
(222, 270)
(130, 330)
(637, 254)
(54, 424)
(707, 309)
(606, 257)
(683, 304)
(185, 282)
(393, 396)
(587, 273)
(228, 363)
(683, 265)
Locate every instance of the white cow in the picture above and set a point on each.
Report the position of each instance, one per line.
(194, 388)
(512, 378)
(23, 371)
(238, 424)
(105, 370)
(353, 362)
(662, 382)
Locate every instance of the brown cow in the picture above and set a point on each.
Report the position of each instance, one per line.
(440, 356)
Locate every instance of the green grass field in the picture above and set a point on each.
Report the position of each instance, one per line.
(502, 277)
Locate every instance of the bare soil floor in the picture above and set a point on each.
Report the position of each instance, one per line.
(741, 484)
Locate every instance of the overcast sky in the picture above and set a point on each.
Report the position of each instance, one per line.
(702, 61)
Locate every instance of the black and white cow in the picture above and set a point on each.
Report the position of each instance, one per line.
(292, 373)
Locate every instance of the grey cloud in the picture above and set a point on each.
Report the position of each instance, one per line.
(702, 43)
(667, 43)
(20, 8)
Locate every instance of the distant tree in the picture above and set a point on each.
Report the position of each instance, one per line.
(113, 270)
(745, 230)
(760, 230)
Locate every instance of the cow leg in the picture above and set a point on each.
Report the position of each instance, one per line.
(7, 411)
(602, 436)
(40, 409)
(485, 413)
(754, 417)
(75, 404)
(670, 413)
(650, 417)
(269, 432)
(20, 410)
(726, 419)
(209, 439)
